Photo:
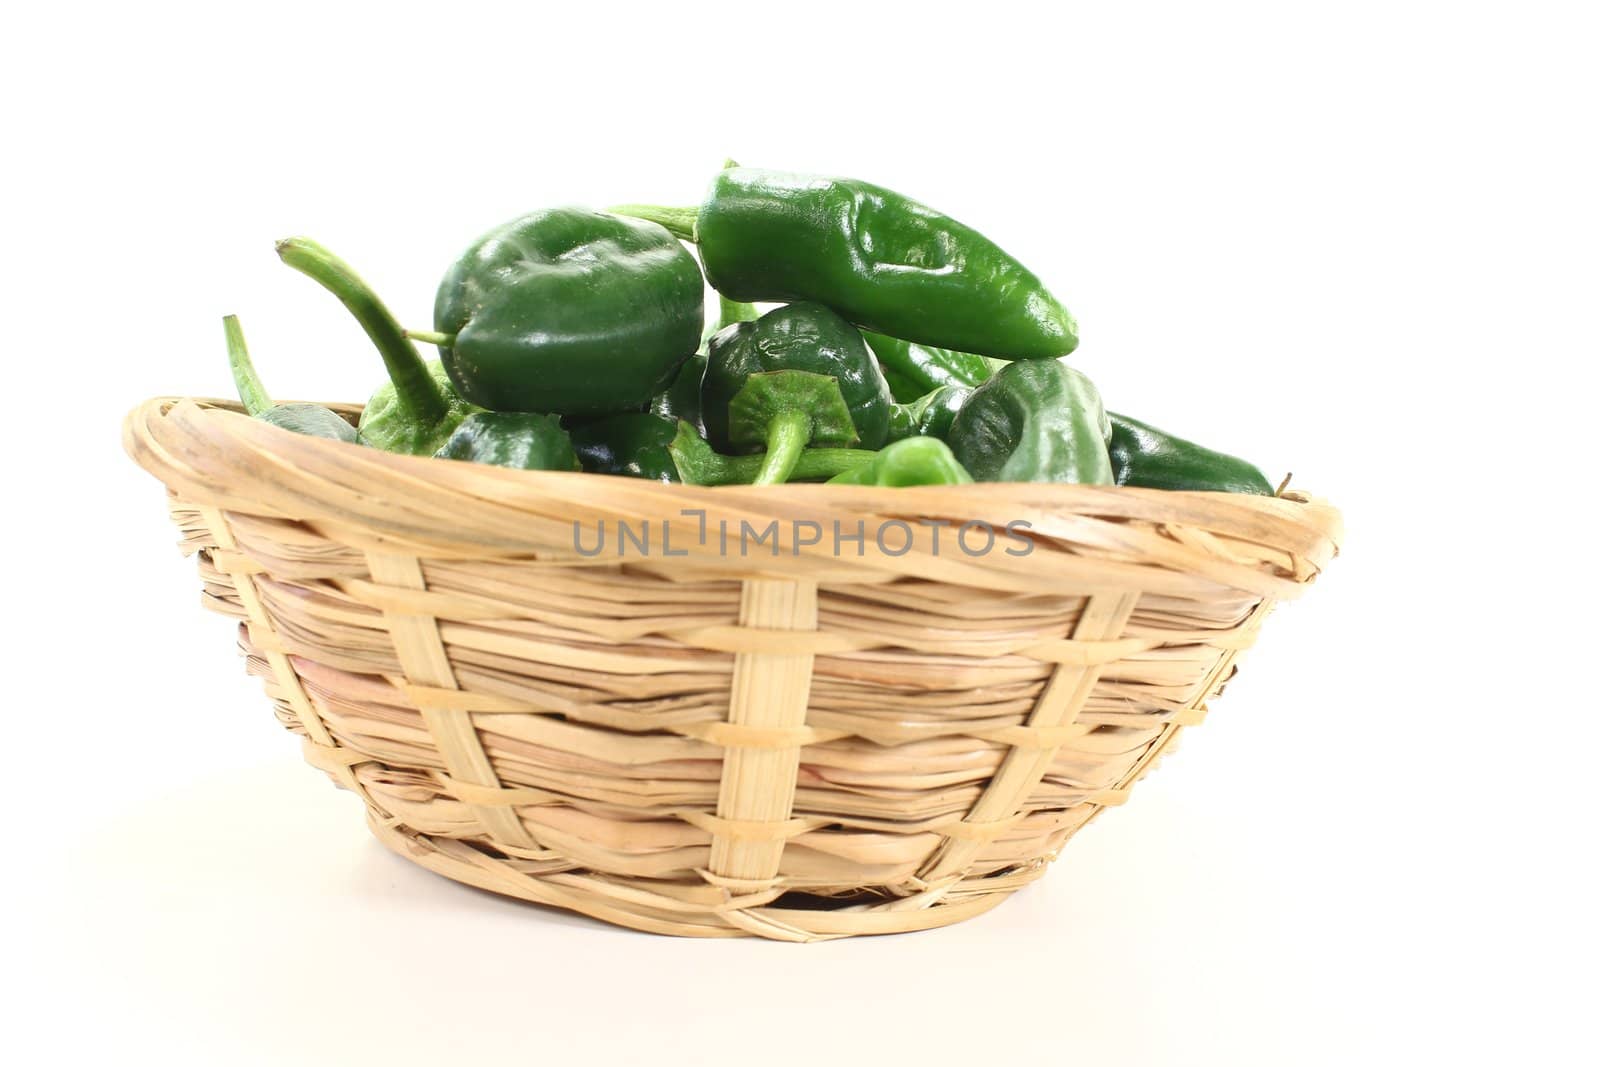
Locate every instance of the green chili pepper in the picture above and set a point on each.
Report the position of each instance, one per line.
(417, 409)
(1142, 455)
(634, 444)
(913, 371)
(914, 461)
(1039, 421)
(313, 420)
(880, 259)
(512, 439)
(569, 310)
(698, 463)
(799, 375)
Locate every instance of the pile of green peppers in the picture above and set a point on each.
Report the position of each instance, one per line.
(905, 348)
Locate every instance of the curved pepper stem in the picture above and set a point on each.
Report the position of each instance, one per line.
(699, 464)
(252, 393)
(415, 389)
(681, 222)
(787, 436)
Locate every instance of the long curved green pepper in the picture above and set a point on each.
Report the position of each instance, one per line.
(416, 411)
(313, 420)
(882, 260)
(1144, 456)
(915, 370)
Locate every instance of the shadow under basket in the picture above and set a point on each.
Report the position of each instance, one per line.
(798, 712)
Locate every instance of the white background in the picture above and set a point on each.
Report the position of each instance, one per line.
(1354, 240)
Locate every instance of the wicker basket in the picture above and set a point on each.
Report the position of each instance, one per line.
(798, 741)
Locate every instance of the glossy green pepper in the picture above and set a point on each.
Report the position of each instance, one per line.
(698, 463)
(882, 260)
(799, 375)
(313, 420)
(913, 370)
(1142, 455)
(681, 399)
(515, 439)
(914, 461)
(569, 310)
(416, 411)
(633, 444)
(933, 415)
(1039, 421)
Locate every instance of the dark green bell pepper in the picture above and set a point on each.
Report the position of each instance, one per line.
(417, 409)
(1039, 421)
(882, 260)
(313, 420)
(517, 439)
(633, 444)
(914, 370)
(914, 461)
(569, 310)
(799, 375)
(1142, 455)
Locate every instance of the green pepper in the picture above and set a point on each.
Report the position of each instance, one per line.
(698, 463)
(913, 371)
(313, 420)
(799, 375)
(634, 444)
(417, 409)
(515, 439)
(1039, 421)
(1142, 455)
(681, 399)
(882, 260)
(932, 415)
(569, 310)
(914, 461)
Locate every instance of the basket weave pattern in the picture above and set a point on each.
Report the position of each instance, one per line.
(805, 745)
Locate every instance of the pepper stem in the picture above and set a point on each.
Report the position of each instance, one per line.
(246, 381)
(414, 388)
(433, 337)
(787, 436)
(698, 464)
(678, 221)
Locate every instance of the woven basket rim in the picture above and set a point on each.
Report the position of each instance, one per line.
(208, 451)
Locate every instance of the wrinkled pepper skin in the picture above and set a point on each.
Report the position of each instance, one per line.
(1039, 421)
(313, 420)
(633, 444)
(882, 260)
(914, 461)
(512, 439)
(913, 370)
(387, 422)
(797, 337)
(1144, 456)
(569, 310)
